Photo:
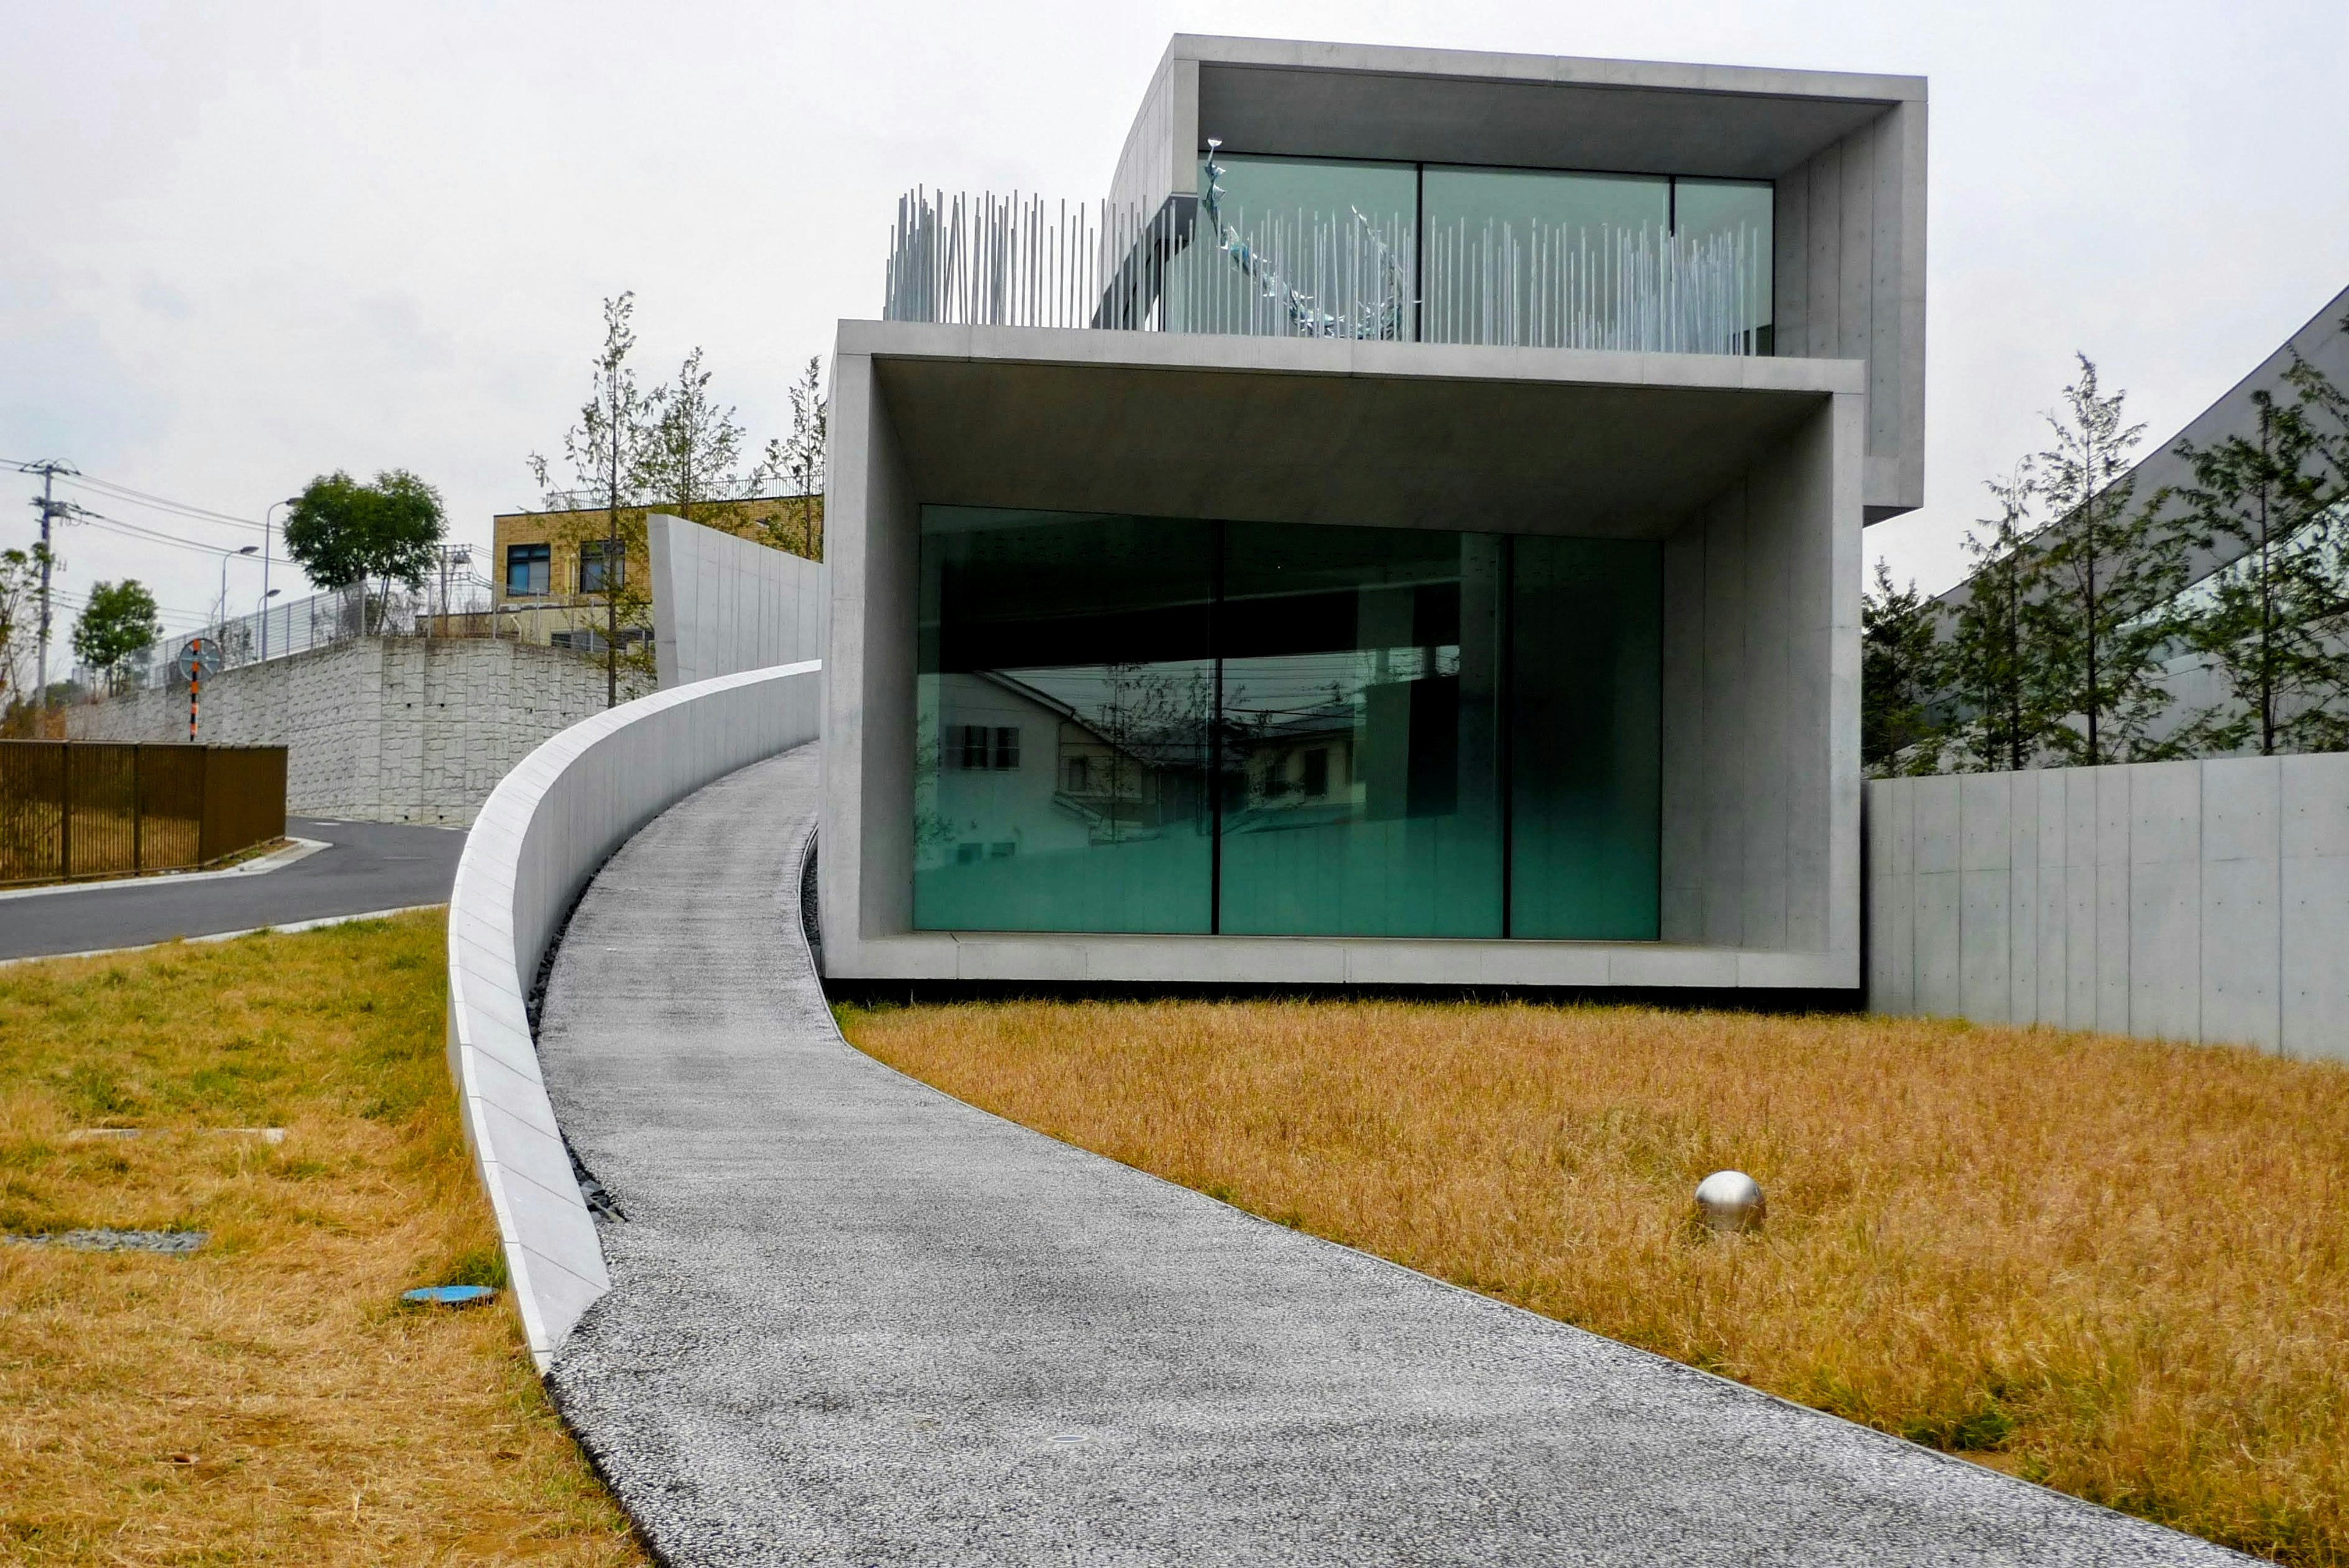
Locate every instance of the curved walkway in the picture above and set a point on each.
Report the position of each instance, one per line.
(852, 1320)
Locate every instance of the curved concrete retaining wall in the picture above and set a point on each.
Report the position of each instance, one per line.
(546, 827)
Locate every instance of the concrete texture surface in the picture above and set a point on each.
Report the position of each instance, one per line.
(722, 604)
(365, 866)
(2194, 900)
(1761, 776)
(854, 1321)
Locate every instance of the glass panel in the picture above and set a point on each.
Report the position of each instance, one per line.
(1733, 216)
(1541, 258)
(1585, 737)
(1062, 697)
(1359, 784)
(527, 567)
(1319, 249)
(591, 566)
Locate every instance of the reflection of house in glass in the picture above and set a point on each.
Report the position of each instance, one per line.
(1408, 533)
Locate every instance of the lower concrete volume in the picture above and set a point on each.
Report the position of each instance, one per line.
(2194, 900)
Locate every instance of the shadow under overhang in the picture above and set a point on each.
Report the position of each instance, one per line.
(1300, 110)
(1391, 450)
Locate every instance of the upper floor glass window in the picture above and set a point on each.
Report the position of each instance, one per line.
(591, 566)
(528, 568)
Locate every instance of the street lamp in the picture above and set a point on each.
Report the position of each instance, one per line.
(265, 594)
(242, 550)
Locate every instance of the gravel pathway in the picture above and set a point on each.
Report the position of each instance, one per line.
(856, 1322)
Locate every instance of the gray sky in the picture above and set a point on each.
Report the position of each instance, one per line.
(242, 243)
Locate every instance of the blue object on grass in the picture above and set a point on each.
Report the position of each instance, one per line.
(451, 1295)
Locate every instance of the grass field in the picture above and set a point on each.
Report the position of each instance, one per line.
(2116, 1267)
(264, 1399)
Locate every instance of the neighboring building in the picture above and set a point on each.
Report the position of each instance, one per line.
(1408, 533)
(548, 571)
(2323, 343)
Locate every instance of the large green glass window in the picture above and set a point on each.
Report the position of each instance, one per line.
(1142, 724)
(1586, 738)
(1360, 761)
(1729, 219)
(1061, 755)
(1314, 232)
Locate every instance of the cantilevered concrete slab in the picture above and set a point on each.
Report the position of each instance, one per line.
(854, 1322)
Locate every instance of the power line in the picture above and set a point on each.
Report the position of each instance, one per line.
(163, 503)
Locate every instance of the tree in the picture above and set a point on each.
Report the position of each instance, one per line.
(692, 448)
(20, 579)
(118, 621)
(1900, 663)
(345, 533)
(2103, 574)
(1992, 657)
(607, 452)
(2273, 620)
(797, 460)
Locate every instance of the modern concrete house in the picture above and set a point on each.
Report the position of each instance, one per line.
(1409, 532)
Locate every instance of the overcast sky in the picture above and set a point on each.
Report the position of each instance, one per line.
(243, 243)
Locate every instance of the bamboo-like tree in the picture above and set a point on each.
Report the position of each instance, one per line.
(607, 452)
(1991, 658)
(1902, 660)
(2103, 571)
(2274, 621)
(796, 461)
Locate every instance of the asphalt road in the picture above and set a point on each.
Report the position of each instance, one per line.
(854, 1322)
(366, 865)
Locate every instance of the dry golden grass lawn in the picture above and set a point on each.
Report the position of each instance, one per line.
(2116, 1267)
(264, 1399)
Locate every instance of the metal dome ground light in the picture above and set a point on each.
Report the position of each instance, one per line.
(1731, 1202)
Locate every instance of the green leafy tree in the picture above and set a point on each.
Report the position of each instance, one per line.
(347, 533)
(2103, 573)
(2272, 621)
(610, 454)
(1901, 665)
(118, 621)
(1992, 654)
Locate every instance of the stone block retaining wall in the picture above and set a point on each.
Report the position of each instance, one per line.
(382, 729)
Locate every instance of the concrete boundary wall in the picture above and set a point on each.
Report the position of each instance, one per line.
(723, 603)
(2198, 900)
(547, 829)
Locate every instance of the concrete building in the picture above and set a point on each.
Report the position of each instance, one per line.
(1409, 532)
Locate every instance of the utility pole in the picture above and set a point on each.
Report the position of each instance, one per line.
(51, 509)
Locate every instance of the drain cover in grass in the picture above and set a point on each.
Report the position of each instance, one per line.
(173, 1241)
(449, 1296)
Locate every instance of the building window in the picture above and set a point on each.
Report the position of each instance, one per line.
(528, 568)
(1277, 729)
(591, 566)
(978, 747)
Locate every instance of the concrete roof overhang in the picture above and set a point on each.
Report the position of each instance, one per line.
(1451, 106)
(1286, 429)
